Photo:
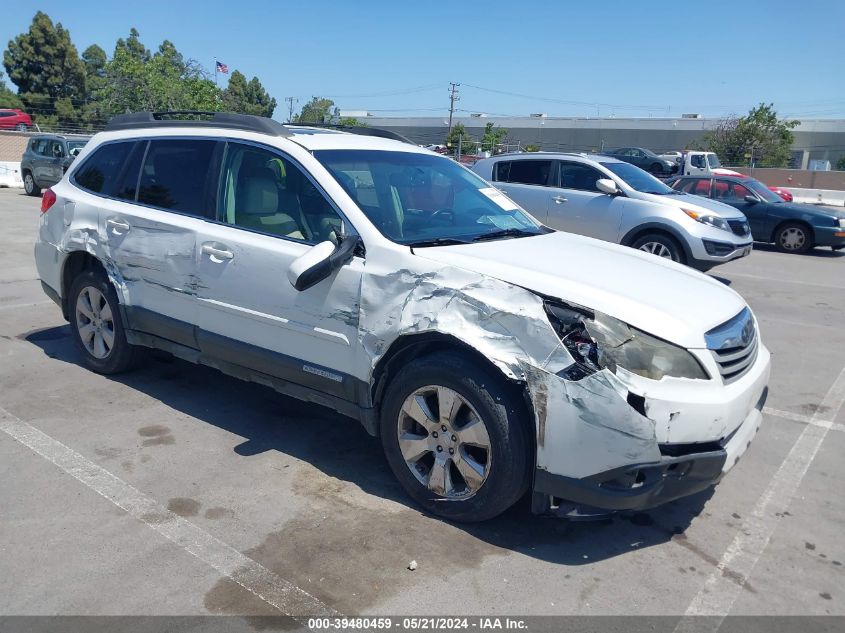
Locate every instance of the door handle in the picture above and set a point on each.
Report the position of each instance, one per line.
(118, 227)
(559, 199)
(219, 253)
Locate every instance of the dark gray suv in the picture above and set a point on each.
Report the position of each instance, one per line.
(46, 158)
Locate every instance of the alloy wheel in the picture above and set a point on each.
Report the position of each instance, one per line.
(656, 248)
(444, 442)
(95, 322)
(28, 183)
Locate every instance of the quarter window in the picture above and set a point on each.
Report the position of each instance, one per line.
(178, 174)
(578, 176)
(100, 170)
(529, 172)
(263, 191)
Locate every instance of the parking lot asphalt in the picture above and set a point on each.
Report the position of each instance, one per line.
(175, 490)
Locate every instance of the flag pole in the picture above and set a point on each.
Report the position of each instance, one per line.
(215, 73)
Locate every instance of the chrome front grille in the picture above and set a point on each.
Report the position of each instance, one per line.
(734, 345)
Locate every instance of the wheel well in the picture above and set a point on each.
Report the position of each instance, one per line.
(76, 263)
(407, 348)
(801, 222)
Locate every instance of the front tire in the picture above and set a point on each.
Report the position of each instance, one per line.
(660, 245)
(96, 324)
(29, 185)
(457, 436)
(793, 237)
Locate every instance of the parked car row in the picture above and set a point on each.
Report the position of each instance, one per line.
(492, 355)
(701, 221)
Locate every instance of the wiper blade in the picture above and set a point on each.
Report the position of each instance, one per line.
(436, 241)
(494, 235)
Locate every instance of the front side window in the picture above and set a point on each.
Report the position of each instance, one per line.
(263, 191)
(578, 176)
(737, 192)
(56, 149)
(100, 171)
(529, 172)
(178, 175)
(422, 199)
(713, 161)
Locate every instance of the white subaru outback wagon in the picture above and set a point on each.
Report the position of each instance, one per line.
(490, 354)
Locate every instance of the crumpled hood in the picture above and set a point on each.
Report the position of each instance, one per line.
(655, 295)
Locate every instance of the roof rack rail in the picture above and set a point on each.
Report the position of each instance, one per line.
(229, 120)
(363, 130)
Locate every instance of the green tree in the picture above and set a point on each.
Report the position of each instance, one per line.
(760, 138)
(531, 147)
(45, 66)
(459, 133)
(840, 164)
(247, 97)
(350, 121)
(493, 136)
(8, 99)
(318, 110)
(164, 81)
(95, 61)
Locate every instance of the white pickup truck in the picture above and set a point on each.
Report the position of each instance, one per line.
(695, 163)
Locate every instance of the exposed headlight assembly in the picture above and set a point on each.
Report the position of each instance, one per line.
(708, 219)
(597, 341)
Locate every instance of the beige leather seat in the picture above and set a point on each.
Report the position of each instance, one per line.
(258, 207)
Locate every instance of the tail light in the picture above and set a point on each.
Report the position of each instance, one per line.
(48, 199)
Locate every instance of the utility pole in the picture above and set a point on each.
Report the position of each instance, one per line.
(291, 101)
(453, 96)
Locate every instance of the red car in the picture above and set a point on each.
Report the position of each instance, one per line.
(14, 120)
(786, 194)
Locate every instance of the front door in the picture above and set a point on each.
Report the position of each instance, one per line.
(270, 213)
(576, 204)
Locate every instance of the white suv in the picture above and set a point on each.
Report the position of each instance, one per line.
(489, 353)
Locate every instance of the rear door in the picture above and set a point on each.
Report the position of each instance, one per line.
(527, 182)
(271, 212)
(40, 162)
(576, 204)
(54, 165)
(734, 194)
(159, 202)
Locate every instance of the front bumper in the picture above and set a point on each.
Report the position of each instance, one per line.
(829, 236)
(632, 444)
(644, 486)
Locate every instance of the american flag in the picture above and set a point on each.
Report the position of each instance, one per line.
(221, 68)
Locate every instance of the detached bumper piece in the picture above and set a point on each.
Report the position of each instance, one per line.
(636, 487)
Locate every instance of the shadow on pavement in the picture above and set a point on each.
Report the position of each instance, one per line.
(340, 448)
(822, 252)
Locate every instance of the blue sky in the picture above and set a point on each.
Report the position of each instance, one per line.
(512, 58)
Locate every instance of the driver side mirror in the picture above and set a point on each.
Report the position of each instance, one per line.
(751, 199)
(320, 261)
(608, 186)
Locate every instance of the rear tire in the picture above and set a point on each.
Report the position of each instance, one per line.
(97, 326)
(29, 184)
(449, 472)
(660, 245)
(793, 237)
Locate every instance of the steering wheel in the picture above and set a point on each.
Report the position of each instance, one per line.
(443, 212)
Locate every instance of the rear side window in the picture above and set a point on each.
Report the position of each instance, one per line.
(528, 172)
(101, 169)
(40, 147)
(178, 174)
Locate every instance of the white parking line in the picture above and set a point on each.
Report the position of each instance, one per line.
(14, 306)
(800, 417)
(717, 596)
(255, 578)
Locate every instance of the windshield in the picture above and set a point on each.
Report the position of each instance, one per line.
(74, 147)
(638, 179)
(713, 161)
(420, 199)
(761, 190)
